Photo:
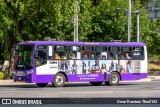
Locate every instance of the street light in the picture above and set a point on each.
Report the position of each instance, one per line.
(138, 12)
(129, 19)
(76, 22)
(137, 24)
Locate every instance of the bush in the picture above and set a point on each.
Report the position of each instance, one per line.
(11, 75)
(1, 75)
(153, 57)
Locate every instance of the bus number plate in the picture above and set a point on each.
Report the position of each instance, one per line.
(20, 74)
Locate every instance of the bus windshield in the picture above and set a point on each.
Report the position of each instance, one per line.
(24, 57)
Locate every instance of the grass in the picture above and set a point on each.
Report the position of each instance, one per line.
(153, 66)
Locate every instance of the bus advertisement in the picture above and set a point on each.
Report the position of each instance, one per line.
(55, 62)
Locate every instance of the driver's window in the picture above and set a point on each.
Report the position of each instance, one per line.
(41, 57)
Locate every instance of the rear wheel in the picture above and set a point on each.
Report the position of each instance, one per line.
(113, 79)
(96, 83)
(59, 80)
(42, 84)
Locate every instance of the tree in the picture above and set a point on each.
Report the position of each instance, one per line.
(15, 15)
(108, 23)
(23, 20)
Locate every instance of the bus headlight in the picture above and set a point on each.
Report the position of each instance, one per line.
(29, 72)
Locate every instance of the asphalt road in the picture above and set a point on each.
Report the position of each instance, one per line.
(83, 90)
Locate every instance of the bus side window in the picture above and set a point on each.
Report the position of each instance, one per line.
(101, 52)
(56, 55)
(60, 52)
(126, 53)
(63, 55)
(74, 52)
(114, 52)
(98, 55)
(88, 52)
(72, 55)
(110, 55)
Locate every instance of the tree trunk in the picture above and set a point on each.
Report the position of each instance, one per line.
(11, 60)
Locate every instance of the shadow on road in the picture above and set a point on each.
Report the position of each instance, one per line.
(66, 85)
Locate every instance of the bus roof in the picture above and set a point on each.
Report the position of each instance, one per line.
(67, 43)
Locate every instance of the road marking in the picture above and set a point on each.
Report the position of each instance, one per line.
(87, 92)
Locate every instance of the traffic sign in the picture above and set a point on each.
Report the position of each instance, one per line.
(153, 9)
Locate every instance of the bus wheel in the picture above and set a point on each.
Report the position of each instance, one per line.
(113, 79)
(59, 80)
(96, 83)
(42, 84)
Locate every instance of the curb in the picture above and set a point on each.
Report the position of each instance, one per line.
(154, 78)
(10, 82)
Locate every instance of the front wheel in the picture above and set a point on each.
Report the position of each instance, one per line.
(59, 80)
(113, 79)
(42, 84)
(96, 83)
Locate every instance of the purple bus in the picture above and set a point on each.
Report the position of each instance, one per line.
(55, 62)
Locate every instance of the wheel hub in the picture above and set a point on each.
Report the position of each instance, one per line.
(114, 78)
(59, 80)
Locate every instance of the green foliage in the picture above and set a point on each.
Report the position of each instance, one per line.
(1, 75)
(109, 23)
(99, 20)
(11, 75)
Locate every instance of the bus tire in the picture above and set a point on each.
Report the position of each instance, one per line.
(96, 83)
(59, 80)
(114, 79)
(42, 84)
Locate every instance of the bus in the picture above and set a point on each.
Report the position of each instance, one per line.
(58, 62)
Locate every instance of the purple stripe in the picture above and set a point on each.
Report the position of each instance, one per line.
(85, 43)
(76, 78)
(80, 77)
(43, 79)
(133, 76)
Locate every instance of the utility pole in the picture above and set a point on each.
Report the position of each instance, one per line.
(129, 20)
(137, 21)
(76, 23)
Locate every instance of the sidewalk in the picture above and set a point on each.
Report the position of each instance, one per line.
(10, 82)
(150, 78)
(154, 78)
